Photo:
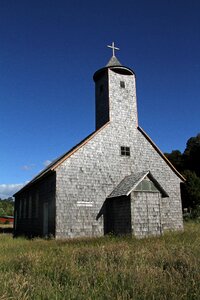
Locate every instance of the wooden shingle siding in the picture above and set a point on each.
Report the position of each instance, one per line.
(72, 192)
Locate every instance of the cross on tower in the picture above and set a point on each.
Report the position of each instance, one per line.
(113, 48)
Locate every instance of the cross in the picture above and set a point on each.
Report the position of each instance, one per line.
(113, 48)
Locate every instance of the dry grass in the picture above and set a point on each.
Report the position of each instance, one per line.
(6, 225)
(102, 268)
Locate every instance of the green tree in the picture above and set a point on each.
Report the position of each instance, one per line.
(7, 207)
(188, 164)
(176, 158)
(191, 155)
(191, 191)
(2, 211)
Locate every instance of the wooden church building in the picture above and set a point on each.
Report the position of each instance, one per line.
(114, 181)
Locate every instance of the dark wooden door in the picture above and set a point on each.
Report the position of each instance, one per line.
(118, 216)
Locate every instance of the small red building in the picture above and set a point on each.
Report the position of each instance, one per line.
(6, 220)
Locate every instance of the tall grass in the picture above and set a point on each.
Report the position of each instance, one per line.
(102, 268)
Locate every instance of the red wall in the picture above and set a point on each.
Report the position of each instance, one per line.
(6, 220)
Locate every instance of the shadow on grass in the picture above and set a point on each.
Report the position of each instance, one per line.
(6, 229)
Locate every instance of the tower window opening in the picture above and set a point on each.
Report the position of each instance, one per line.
(122, 84)
(125, 151)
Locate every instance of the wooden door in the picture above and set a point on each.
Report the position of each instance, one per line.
(118, 216)
(146, 214)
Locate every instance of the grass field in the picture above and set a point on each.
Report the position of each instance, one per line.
(102, 268)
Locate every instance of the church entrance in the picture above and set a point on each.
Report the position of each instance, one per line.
(146, 214)
(138, 214)
(134, 206)
(117, 216)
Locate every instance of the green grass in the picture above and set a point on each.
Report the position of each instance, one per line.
(102, 268)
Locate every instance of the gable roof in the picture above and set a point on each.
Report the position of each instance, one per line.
(52, 166)
(130, 182)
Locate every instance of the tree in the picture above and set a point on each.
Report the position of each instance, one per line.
(2, 211)
(6, 207)
(191, 155)
(190, 191)
(188, 164)
(176, 158)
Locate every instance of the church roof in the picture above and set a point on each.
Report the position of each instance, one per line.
(55, 163)
(51, 167)
(161, 153)
(113, 62)
(130, 182)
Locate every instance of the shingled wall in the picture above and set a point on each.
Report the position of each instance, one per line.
(88, 176)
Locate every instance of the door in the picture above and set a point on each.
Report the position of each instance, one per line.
(118, 216)
(45, 219)
(146, 214)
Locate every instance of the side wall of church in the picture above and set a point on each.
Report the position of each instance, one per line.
(29, 208)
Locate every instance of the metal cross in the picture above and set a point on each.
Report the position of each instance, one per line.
(113, 48)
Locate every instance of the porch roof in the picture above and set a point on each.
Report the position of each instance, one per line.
(130, 182)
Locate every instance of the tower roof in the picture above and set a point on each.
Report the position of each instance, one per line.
(115, 66)
(113, 62)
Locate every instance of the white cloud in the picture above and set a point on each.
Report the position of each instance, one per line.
(46, 162)
(28, 167)
(7, 190)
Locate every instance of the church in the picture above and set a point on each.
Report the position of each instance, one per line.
(115, 181)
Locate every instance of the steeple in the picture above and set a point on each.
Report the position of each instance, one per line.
(113, 61)
(115, 93)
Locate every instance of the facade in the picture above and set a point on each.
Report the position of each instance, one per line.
(114, 181)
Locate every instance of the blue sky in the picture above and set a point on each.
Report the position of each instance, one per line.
(49, 51)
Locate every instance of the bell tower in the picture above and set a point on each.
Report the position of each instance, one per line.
(115, 94)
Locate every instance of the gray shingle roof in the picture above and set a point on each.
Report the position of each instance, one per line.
(127, 184)
(51, 167)
(113, 62)
(130, 182)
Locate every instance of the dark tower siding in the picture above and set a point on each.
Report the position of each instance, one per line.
(102, 100)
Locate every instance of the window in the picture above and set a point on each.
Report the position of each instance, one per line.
(146, 186)
(122, 84)
(125, 151)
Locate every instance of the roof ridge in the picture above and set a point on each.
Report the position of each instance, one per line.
(52, 166)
